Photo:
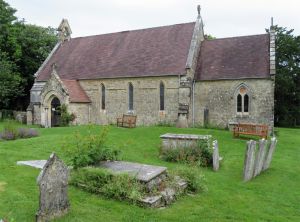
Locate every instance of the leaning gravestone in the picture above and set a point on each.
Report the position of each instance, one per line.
(269, 156)
(249, 160)
(260, 157)
(216, 157)
(53, 184)
(258, 160)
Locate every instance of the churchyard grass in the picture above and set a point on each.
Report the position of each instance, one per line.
(272, 196)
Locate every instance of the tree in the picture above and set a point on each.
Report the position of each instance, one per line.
(35, 44)
(10, 80)
(23, 47)
(287, 80)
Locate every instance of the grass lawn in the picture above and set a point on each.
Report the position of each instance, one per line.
(272, 196)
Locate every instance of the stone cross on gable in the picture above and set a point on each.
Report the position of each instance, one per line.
(198, 9)
(53, 184)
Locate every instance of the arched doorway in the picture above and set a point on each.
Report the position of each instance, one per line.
(55, 112)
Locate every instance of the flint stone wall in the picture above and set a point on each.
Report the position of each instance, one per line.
(145, 99)
(220, 99)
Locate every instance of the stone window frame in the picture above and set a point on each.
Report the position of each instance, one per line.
(162, 106)
(130, 97)
(103, 96)
(248, 93)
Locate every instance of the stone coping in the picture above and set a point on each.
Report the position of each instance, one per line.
(143, 172)
(184, 136)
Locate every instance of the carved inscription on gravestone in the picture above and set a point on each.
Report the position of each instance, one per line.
(53, 184)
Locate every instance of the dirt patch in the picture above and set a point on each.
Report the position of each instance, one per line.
(2, 186)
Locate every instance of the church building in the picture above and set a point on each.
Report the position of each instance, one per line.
(163, 75)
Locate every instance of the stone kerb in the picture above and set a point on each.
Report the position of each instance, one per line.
(258, 159)
(53, 185)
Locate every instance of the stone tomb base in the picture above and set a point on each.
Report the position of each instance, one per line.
(171, 140)
(150, 176)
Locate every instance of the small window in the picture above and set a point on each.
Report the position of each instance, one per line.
(239, 103)
(161, 96)
(130, 95)
(102, 96)
(242, 100)
(246, 103)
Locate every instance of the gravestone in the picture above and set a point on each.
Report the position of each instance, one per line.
(216, 157)
(269, 155)
(258, 160)
(249, 160)
(53, 184)
(260, 157)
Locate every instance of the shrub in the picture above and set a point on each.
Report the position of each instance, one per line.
(6, 114)
(12, 132)
(65, 116)
(196, 181)
(200, 154)
(27, 133)
(89, 149)
(165, 124)
(104, 182)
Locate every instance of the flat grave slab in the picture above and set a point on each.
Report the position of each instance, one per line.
(171, 140)
(143, 172)
(33, 163)
(185, 136)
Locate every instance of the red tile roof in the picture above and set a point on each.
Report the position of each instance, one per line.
(148, 52)
(76, 93)
(234, 58)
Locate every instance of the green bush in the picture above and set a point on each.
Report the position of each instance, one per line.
(165, 124)
(10, 131)
(65, 116)
(200, 154)
(6, 114)
(104, 182)
(196, 181)
(85, 150)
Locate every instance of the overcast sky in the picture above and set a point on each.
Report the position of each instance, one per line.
(222, 18)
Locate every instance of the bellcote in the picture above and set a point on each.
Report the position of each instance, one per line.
(64, 31)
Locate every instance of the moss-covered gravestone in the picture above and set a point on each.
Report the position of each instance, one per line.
(53, 184)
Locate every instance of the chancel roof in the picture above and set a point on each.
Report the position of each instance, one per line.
(234, 58)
